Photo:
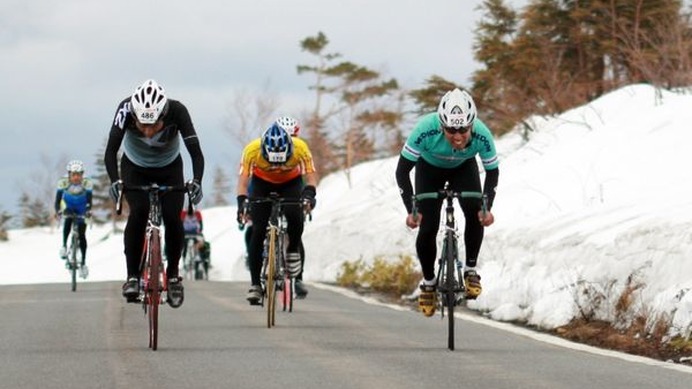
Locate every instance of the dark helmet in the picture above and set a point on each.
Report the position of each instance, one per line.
(277, 146)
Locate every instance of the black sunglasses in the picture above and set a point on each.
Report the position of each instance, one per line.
(462, 130)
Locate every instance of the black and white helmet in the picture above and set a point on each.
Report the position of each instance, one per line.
(456, 109)
(75, 166)
(149, 102)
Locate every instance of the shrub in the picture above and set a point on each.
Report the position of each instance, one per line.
(392, 278)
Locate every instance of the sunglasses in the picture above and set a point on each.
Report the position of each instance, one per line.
(462, 130)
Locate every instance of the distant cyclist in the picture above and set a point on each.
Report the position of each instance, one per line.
(275, 162)
(73, 200)
(291, 126)
(150, 126)
(443, 147)
(193, 228)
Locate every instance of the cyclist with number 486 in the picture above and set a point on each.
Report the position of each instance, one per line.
(149, 126)
(443, 147)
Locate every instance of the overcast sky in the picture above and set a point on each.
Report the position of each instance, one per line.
(67, 64)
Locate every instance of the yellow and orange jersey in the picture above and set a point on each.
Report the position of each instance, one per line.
(252, 163)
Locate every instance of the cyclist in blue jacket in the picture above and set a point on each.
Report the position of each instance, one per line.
(443, 147)
(73, 200)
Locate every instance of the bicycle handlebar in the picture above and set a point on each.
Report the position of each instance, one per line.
(147, 188)
(275, 199)
(448, 194)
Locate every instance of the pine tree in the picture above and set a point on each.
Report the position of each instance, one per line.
(35, 212)
(221, 188)
(361, 114)
(102, 205)
(4, 218)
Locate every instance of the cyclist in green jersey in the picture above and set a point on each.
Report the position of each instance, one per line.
(443, 147)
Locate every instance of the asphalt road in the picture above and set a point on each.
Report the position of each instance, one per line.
(53, 338)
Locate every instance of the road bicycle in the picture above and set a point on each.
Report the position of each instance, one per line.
(274, 275)
(72, 263)
(153, 281)
(450, 281)
(194, 267)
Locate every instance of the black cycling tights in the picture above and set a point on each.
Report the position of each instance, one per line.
(82, 235)
(260, 218)
(171, 205)
(462, 178)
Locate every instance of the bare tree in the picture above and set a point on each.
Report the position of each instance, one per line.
(221, 187)
(38, 191)
(251, 113)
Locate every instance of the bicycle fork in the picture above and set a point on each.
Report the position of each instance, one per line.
(457, 279)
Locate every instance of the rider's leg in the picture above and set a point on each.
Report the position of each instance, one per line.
(468, 179)
(171, 204)
(66, 228)
(82, 241)
(428, 178)
(260, 219)
(138, 203)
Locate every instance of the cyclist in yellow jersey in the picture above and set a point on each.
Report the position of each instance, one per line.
(275, 162)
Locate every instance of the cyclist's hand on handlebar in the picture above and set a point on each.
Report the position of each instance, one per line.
(308, 196)
(413, 221)
(194, 187)
(116, 187)
(241, 217)
(486, 218)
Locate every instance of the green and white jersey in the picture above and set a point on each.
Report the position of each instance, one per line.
(427, 141)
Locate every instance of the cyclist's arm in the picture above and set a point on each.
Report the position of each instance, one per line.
(489, 185)
(310, 179)
(198, 215)
(243, 182)
(115, 139)
(58, 199)
(187, 131)
(403, 180)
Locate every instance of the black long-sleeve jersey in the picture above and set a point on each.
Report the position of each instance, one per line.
(162, 149)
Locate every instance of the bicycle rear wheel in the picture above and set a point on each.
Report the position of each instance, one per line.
(154, 289)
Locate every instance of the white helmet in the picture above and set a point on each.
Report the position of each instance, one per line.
(289, 124)
(75, 166)
(456, 109)
(149, 102)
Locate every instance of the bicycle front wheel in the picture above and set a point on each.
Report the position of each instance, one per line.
(450, 286)
(74, 244)
(271, 280)
(153, 291)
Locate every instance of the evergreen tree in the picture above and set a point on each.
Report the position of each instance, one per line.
(4, 218)
(102, 205)
(34, 211)
(361, 112)
(564, 53)
(221, 187)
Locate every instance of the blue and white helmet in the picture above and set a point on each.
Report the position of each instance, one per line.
(149, 102)
(277, 146)
(456, 109)
(75, 166)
